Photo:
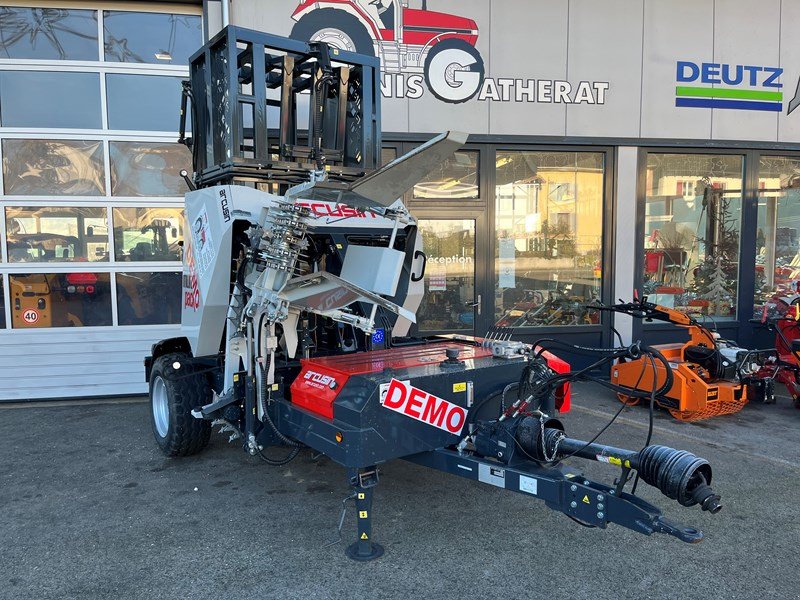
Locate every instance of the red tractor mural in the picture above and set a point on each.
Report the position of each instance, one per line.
(437, 45)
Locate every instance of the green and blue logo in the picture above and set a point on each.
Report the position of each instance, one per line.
(759, 87)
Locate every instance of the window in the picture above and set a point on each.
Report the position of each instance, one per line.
(549, 222)
(60, 300)
(148, 169)
(456, 178)
(692, 228)
(777, 240)
(49, 99)
(449, 275)
(53, 167)
(149, 298)
(48, 33)
(56, 234)
(147, 234)
(151, 37)
(143, 102)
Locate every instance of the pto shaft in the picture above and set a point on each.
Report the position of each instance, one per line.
(678, 474)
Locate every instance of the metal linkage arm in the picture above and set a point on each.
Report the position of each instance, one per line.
(593, 504)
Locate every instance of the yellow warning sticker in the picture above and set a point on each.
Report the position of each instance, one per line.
(460, 387)
(364, 536)
(614, 460)
(236, 377)
(275, 387)
(339, 246)
(362, 514)
(361, 495)
(586, 500)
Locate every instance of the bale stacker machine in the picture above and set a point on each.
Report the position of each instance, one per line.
(302, 274)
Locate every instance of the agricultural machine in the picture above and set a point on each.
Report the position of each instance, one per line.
(705, 370)
(299, 302)
(407, 40)
(762, 368)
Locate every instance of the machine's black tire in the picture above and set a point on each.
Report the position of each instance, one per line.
(332, 19)
(184, 390)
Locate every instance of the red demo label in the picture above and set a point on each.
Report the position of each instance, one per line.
(422, 406)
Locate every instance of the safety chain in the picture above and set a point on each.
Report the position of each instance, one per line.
(561, 436)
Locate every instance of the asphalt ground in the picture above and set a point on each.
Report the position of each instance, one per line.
(89, 508)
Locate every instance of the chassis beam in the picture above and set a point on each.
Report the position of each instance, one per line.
(587, 501)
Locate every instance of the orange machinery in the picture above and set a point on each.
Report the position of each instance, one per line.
(704, 368)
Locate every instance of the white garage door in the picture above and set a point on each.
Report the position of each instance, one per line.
(91, 200)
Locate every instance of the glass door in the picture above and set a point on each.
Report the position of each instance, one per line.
(451, 301)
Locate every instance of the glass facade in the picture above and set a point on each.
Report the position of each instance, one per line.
(456, 178)
(777, 270)
(549, 237)
(92, 194)
(692, 232)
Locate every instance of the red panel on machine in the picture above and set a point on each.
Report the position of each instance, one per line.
(316, 387)
(398, 357)
(563, 391)
(321, 379)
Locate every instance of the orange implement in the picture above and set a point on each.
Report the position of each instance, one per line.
(694, 394)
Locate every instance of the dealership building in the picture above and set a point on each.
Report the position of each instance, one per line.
(614, 146)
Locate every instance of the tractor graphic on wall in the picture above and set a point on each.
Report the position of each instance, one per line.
(437, 45)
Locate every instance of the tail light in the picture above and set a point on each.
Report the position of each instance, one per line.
(81, 278)
(41, 304)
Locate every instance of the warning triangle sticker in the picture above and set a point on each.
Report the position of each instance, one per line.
(586, 500)
(364, 536)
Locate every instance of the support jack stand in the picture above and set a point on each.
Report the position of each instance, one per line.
(364, 549)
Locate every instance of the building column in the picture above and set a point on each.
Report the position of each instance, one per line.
(625, 242)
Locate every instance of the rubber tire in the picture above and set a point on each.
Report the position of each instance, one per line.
(331, 18)
(186, 435)
(460, 45)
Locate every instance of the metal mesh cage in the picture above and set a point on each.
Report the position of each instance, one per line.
(250, 92)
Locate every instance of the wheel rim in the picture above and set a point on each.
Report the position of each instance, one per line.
(335, 38)
(160, 407)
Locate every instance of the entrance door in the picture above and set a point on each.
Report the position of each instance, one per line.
(454, 296)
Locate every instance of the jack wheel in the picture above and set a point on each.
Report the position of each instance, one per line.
(628, 400)
(352, 552)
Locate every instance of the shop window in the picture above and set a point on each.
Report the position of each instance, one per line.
(48, 33)
(548, 251)
(147, 234)
(148, 169)
(160, 38)
(449, 275)
(143, 102)
(692, 231)
(777, 276)
(149, 298)
(49, 99)
(56, 234)
(456, 178)
(53, 167)
(60, 300)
